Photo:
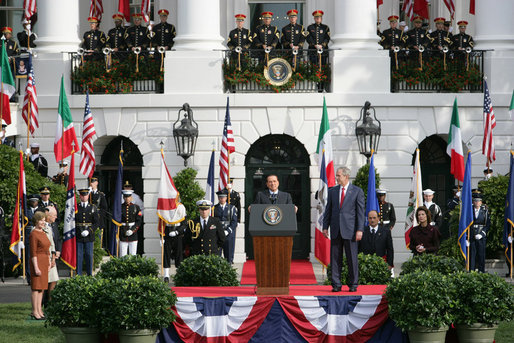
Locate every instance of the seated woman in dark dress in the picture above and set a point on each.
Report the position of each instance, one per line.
(424, 238)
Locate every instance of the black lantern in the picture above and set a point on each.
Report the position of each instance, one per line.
(368, 133)
(186, 134)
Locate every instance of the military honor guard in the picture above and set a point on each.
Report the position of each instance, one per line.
(10, 44)
(38, 161)
(26, 37)
(131, 220)
(137, 36)
(93, 41)
(136, 199)
(61, 178)
(417, 40)
(462, 41)
(239, 41)
(266, 37)
(173, 240)
(227, 215)
(392, 40)
(164, 32)
(205, 234)
(3, 137)
(116, 36)
(478, 233)
(44, 195)
(488, 173)
(293, 34)
(86, 223)
(387, 215)
(318, 36)
(234, 199)
(97, 199)
(439, 39)
(377, 240)
(435, 210)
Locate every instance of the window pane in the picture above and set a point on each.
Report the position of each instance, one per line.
(279, 13)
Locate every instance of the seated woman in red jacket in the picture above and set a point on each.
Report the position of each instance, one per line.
(424, 238)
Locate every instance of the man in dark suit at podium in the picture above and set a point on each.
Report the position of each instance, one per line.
(272, 195)
(345, 216)
(376, 239)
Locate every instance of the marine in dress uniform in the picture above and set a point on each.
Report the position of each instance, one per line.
(38, 161)
(131, 219)
(116, 37)
(387, 215)
(97, 198)
(136, 199)
(293, 34)
(318, 36)
(435, 210)
(205, 234)
(86, 223)
(478, 233)
(227, 214)
(239, 38)
(164, 32)
(173, 240)
(265, 36)
(93, 41)
(416, 38)
(439, 38)
(10, 44)
(137, 35)
(23, 36)
(3, 139)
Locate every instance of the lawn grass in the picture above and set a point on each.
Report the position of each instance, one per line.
(15, 327)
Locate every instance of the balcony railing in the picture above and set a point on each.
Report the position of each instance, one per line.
(244, 72)
(117, 72)
(434, 71)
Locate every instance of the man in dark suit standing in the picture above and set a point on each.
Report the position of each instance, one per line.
(376, 239)
(272, 195)
(345, 216)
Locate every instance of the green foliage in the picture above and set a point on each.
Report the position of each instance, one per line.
(128, 266)
(205, 270)
(482, 298)
(373, 270)
(190, 191)
(421, 299)
(450, 246)
(429, 262)
(134, 303)
(71, 303)
(361, 179)
(494, 192)
(98, 252)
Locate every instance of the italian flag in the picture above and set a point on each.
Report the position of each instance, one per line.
(65, 135)
(325, 144)
(7, 88)
(511, 107)
(454, 149)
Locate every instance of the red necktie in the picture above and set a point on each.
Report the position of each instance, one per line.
(342, 198)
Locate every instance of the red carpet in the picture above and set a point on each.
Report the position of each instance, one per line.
(301, 273)
(246, 291)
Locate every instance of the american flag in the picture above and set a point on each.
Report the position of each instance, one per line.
(227, 147)
(451, 7)
(489, 125)
(145, 10)
(408, 8)
(96, 9)
(29, 8)
(30, 100)
(87, 156)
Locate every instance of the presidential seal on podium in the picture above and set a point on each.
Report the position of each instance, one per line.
(272, 215)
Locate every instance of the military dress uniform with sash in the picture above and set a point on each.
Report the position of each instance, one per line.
(461, 42)
(86, 223)
(318, 34)
(23, 39)
(137, 36)
(204, 236)
(387, 215)
(93, 40)
(478, 233)
(293, 34)
(164, 35)
(265, 35)
(11, 47)
(40, 164)
(241, 38)
(415, 38)
(131, 220)
(439, 38)
(116, 40)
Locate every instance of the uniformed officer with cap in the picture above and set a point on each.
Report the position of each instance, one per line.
(266, 36)
(387, 217)
(318, 36)
(61, 178)
(461, 40)
(239, 40)
(38, 161)
(3, 138)
(116, 36)
(416, 38)
(137, 35)
(93, 40)
(173, 240)
(86, 223)
(227, 214)
(435, 210)
(23, 36)
(235, 199)
(131, 220)
(293, 34)
(164, 32)
(478, 233)
(205, 234)
(392, 37)
(439, 38)
(10, 44)
(97, 198)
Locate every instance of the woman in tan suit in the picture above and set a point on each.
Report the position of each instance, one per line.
(39, 264)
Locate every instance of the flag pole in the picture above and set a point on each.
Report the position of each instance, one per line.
(511, 226)
(1, 102)
(23, 227)
(28, 125)
(161, 223)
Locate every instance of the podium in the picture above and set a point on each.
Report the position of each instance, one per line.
(272, 228)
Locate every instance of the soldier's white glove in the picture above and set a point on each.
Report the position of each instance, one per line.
(509, 239)
(173, 233)
(451, 29)
(478, 236)
(432, 223)
(84, 233)
(226, 233)
(467, 243)
(27, 151)
(458, 194)
(405, 29)
(129, 232)
(22, 245)
(430, 31)
(160, 242)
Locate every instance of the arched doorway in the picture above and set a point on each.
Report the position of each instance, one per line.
(287, 158)
(435, 172)
(132, 172)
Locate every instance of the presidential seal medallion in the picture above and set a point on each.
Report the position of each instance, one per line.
(278, 72)
(272, 215)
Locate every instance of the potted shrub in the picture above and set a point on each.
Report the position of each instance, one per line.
(205, 270)
(483, 300)
(128, 265)
(137, 308)
(373, 270)
(71, 308)
(421, 303)
(442, 264)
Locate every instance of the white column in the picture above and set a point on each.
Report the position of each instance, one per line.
(198, 25)
(57, 26)
(494, 26)
(355, 25)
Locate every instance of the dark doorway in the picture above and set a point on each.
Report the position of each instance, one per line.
(287, 158)
(132, 171)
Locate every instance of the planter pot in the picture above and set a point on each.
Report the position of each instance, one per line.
(138, 336)
(428, 335)
(476, 333)
(80, 335)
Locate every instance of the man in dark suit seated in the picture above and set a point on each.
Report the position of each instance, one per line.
(376, 239)
(344, 214)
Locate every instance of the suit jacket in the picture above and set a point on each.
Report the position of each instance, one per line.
(380, 245)
(264, 197)
(348, 219)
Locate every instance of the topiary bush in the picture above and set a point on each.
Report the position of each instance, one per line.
(425, 262)
(205, 270)
(128, 265)
(190, 191)
(361, 179)
(373, 270)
